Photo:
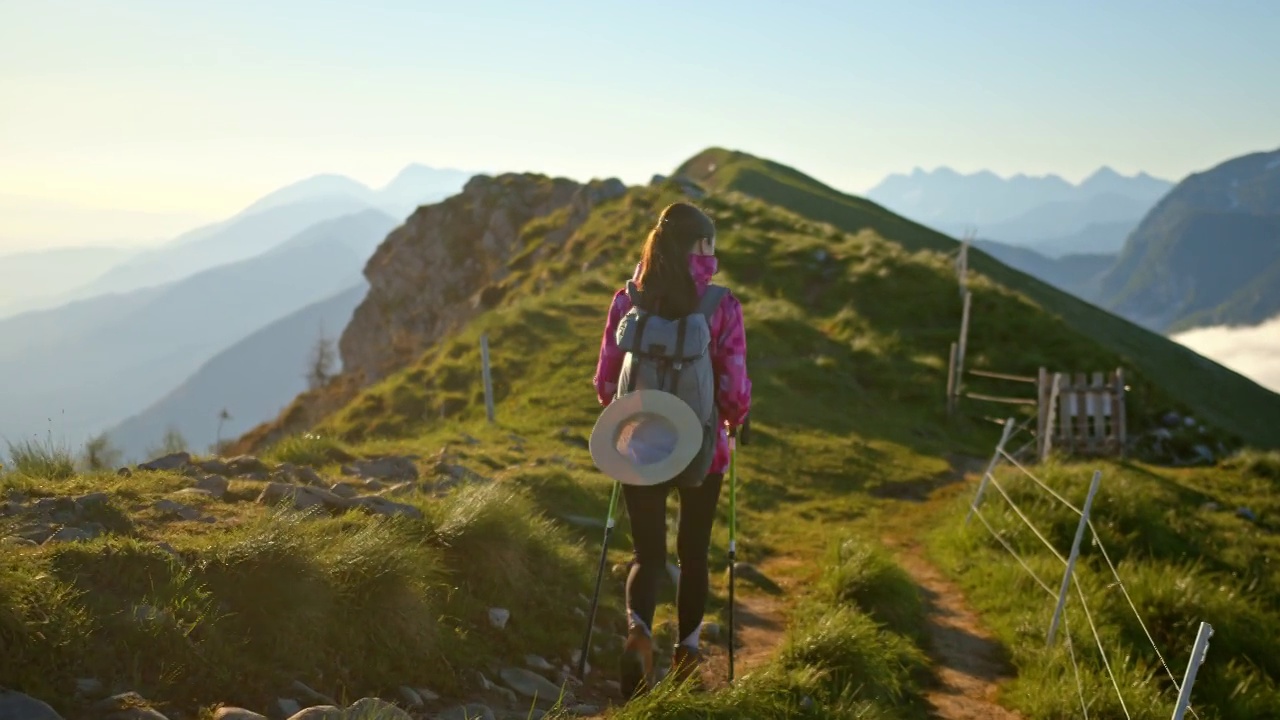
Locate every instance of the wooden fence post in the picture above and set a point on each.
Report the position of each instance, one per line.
(964, 341)
(1075, 553)
(951, 381)
(488, 381)
(1118, 414)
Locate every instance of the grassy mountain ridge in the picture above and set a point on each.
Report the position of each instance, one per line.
(847, 332)
(1205, 388)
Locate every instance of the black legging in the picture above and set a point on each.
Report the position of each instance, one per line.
(646, 508)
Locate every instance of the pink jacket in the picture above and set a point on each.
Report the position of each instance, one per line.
(728, 356)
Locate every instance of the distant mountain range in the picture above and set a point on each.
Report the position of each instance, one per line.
(253, 380)
(100, 360)
(91, 272)
(1047, 212)
(1206, 254)
(139, 340)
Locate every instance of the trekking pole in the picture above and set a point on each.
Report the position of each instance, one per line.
(595, 599)
(733, 532)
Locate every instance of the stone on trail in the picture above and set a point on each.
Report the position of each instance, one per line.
(69, 534)
(498, 617)
(242, 465)
(289, 708)
(382, 506)
(213, 484)
(372, 708)
(427, 695)
(538, 663)
(530, 684)
(344, 490)
(388, 468)
(12, 541)
(410, 696)
(311, 695)
(236, 713)
(318, 712)
(173, 507)
(172, 461)
(18, 706)
(89, 687)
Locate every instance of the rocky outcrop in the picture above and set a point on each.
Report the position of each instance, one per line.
(430, 275)
(444, 265)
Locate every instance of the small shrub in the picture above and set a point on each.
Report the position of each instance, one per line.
(45, 461)
(310, 449)
(864, 575)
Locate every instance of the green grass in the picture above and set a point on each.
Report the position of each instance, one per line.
(1193, 384)
(310, 449)
(850, 313)
(267, 596)
(1182, 561)
(836, 661)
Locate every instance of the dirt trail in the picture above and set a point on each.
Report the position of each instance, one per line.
(760, 620)
(968, 662)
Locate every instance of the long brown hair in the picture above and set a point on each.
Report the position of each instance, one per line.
(665, 279)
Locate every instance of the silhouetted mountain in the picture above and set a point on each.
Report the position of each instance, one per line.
(102, 360)
(1054, 224)
(418, 185)
(253, 380)
(29, 279)
(238, 239)
(1077, 274)
(1093, 239)
(1019, 210)
(268, 220)
(1208, 253)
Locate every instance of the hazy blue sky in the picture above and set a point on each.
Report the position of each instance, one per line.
(190, 110)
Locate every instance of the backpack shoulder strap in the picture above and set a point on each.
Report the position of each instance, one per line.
(711, 300)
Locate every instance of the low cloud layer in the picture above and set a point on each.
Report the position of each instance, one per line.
(1251, 351)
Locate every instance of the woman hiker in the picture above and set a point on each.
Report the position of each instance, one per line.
(677, 264)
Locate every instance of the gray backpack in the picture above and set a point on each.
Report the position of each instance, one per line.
(674, 356)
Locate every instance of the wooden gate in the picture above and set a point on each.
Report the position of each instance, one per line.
(1080, 414)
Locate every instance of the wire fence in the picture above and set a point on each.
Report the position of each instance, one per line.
(1068, 563)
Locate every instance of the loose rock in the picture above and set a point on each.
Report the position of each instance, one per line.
(371, 708)
(498, 617)
(382, 506)
(215, 485)
(289, 708)
(69, 534)
(319, 712)
(529, 684)
(311, 695)
(172, 461)
(18, 706)
(89, 687)
(410, 697)
(172, 507)
(242, 465)
(383, 468)
(538, 663)
(235, 713)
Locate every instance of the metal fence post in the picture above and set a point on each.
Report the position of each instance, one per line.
(995, 457)
(1198, 653)
(488, 381)
(1075, 553)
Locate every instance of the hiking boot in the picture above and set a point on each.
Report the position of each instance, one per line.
(637, 664)
(684, 663)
